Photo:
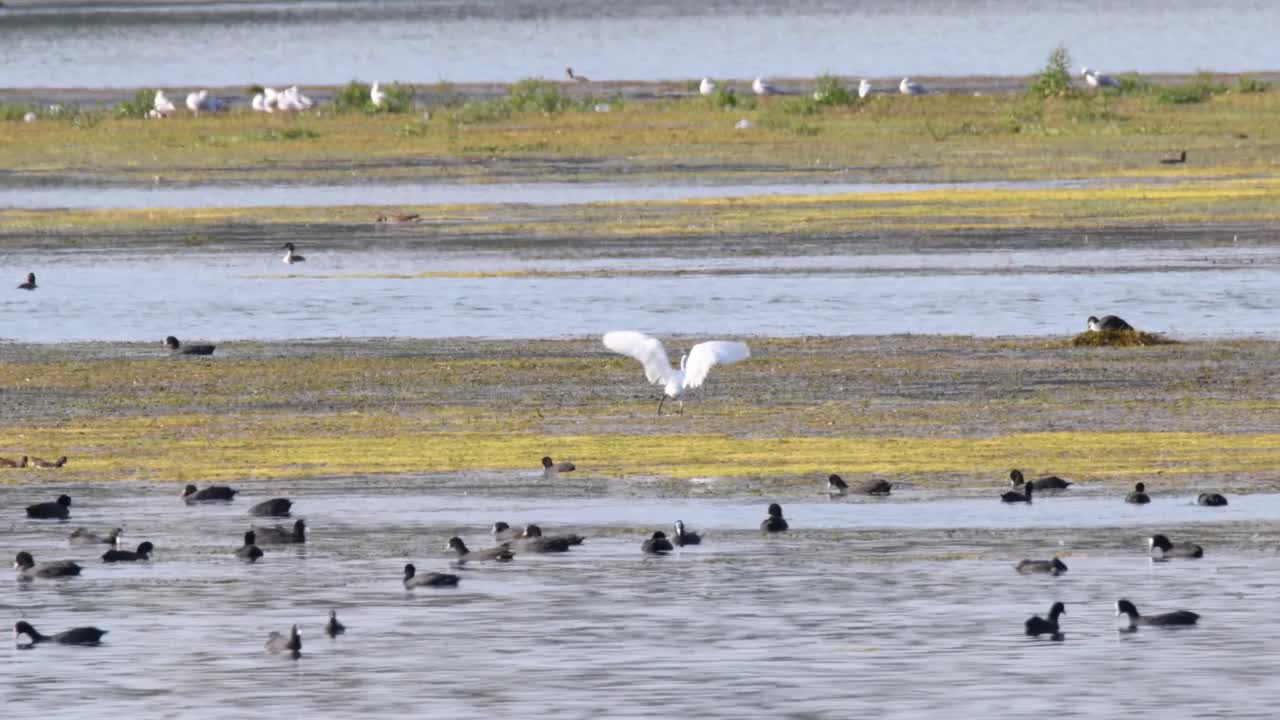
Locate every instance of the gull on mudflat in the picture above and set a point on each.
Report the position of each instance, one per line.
(907, 87)
(161, 106)
(1094, 79)
(864, 88)
(707, 86)
(201, 100)
(760, 86)
(377, 95)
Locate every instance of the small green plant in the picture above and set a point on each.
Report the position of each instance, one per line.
(724, 98)
(1196, 90)
(138, 106)
(780, 121)
(353, 97)
(800, 106)
(1250, 84)
(397, 98)
(293, 133)
(1132, 83)
(477, 113)
(10, 112)
(829, 91)
(1119, 338)
(1054, 79)
(533, 95)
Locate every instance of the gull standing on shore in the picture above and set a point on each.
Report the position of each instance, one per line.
(377, 96)
(760, 86)
(161, 106)
(1095, 79)
(707, 87)
(864, 88)
(907, 87)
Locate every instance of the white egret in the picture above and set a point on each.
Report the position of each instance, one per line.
(907, 87)
(377, 95)
(1095, 79)
(161, 104)
(864, 88)
(694, 366)
(760, 86)
(707, 87)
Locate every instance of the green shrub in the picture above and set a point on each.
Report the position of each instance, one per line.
(143, 102)
(10, 112)
(1054, 79)
(353, 97)
(799, 106)
(1250, 84)
(399, 98)
(1132, 83)
(533, 95)
(1197, 89)
(829, 91)
(724, 98)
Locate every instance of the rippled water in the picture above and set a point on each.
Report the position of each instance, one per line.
(906, 607)
(234, 43)
(126, 296)
(549, 193)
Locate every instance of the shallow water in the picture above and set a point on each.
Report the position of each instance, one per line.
(128, 296)
(234, 43)
(548, 193)
(833, 619)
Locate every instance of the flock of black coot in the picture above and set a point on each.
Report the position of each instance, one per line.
(510, 542)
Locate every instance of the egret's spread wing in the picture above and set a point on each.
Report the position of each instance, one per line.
(648, 350)
(716, 352)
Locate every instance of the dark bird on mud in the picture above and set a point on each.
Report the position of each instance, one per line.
(213, 493)
(657, 545)
(40, 463)
(501, 553)
(249, 552)
(1037, 626)
(277, 643)
(27, 568)
(333, 628)
(1049, 482)
(683, 537)
(875, 486)
(74, 636)
(1211, 500)
(576, 78)
(275, 507)
(59, 509)
(177, 348)
(1019, 497)
(1053, 567)
(503, 531)
(775, 522)
(1177, 617)
(143, 553)
(397, 218)
(551, 469)
(1182, 158)
(280, 536)
(412, 579)
(1139, 495)
(1108, 323)
(1163, 549)
(30, 284)
(19, 463)
(80, 536)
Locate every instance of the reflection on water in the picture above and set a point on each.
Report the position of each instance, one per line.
(891, 607)
(220, 296)
(506, 40)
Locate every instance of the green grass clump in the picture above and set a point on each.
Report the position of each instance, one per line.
(1132, 83)
(533, 95)
(1054, 79)
(1119, 338)
(805, 106)
(293, 133)
(1196, 90)
(724, 98)
(1250, 84)
(12, 112)
(142, 102)
(354, 97)
(829, 91)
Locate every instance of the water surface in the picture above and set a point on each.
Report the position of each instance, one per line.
(916, 586)
(234, 43)
(108, 295)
